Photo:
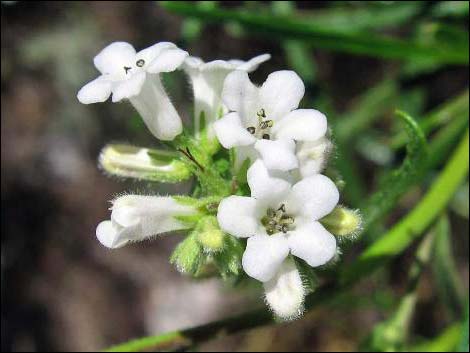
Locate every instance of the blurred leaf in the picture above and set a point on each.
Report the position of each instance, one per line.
(296, 28)
(463, 346)
(354, 19)
(451, 9)
(445, 271)
(460, 203)
(447, 341)
(297, 53)
(391, 334)
(417, 221)
(373, 104)
(435, 34)
(398, 181)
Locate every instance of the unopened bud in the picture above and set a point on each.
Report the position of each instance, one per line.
(209, 234)
(343, 222)
(143, 163)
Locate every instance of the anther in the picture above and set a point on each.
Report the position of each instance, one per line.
(261, 113)
(266, 137)
(127, 68)
(140, 62)
(282, 208)
(251, 130)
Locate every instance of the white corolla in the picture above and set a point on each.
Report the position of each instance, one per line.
(265, 120)
(127, 74)
(136, 218)
(207, 80)
(280, 219)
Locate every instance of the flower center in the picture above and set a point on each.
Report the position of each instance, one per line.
(264, 126)
(276, 221)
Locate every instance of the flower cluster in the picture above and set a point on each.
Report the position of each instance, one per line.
(261, 206)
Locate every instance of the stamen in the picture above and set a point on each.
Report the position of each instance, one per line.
(140, 62)
(266, 137)
(251, 130)
(261, 113)
(127, 68)
(277, 221)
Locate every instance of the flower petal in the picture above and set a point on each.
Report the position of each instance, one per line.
(312, 243)
(241, 96)
(151, 53)
(108, 235)
(231, 132)
(313, 155)
(285, 292)
(265, 187)
(263, 256)
(129, 88)
(279, 154)
(239, 216)
(301, 125)
(314, 197)
(252, 64)
(95, 91)
(156, 109)
(281, 93)
(167, 61)
(113, 58)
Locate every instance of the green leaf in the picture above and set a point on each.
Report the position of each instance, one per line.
(399, 180)
(445, 272)
(417, 221)
(443, 114)
(392, 334)
(463, 346)
(359, 18)
(308, 31)
(451, 9)
(446, 341)
(143, 163)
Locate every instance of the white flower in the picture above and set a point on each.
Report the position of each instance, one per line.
(285, 292)
(207, 80)
(134, 76)
(279, 219)
(313, 155)
(136, 217)
(267, 118)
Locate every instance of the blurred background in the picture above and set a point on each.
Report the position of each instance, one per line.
(62, 291)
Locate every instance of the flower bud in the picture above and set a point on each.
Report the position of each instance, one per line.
(343, 222)
(209, 235)
(143, 163)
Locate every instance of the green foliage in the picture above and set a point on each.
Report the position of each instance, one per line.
(318, 36)
(448, 285)
(399, 180)
(417, 221)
